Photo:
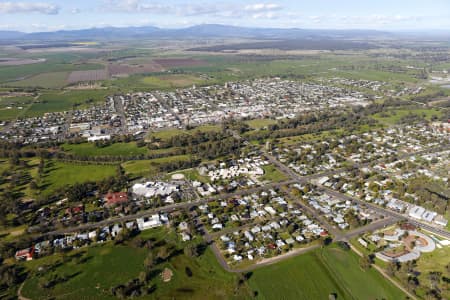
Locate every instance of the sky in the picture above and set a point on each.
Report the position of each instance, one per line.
(391, 15)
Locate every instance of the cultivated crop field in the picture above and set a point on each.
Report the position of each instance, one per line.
(19, 61)
(62, 101)
(171, 81)
(179, 62)
(90, 75)
(44, 80)
(18, 73)
(125, 69)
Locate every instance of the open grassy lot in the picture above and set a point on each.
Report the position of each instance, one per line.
(394, 116)
(59, 174)
(12, 107)
(157, 81)
(169, 133)
(28, 172)
(63, 101)
(435, 261)
(345, 266)
(105, 266)
(260, 123)
(374, 75)
(271, 173)
(92, 271)
(447, 216)
(4, 165)
(117, 149)
(15, 101)
(148, 167)
(317, 274)
(209, 280)
(192, 174)
(9, 113)
(171, 81)
(44, 80)
(310, 137)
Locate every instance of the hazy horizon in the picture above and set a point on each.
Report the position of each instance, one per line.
(54, 15)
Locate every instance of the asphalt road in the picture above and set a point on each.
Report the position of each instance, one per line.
(390, 216)
(376, 208)
(165, 209)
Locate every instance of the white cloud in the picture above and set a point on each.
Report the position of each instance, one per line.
(28, 7)
(135, 6)
(378, 19)
(265, 15)
(259, 7)
(188, 9)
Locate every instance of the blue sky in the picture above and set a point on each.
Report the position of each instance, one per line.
(49, 15)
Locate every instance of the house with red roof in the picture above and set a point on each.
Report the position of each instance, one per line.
(25, 254)
(112, 199)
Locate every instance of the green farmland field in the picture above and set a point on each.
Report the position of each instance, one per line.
(44, 80)
(11, 73)
(63, 101)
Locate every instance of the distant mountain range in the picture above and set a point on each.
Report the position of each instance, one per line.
(199, 31)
